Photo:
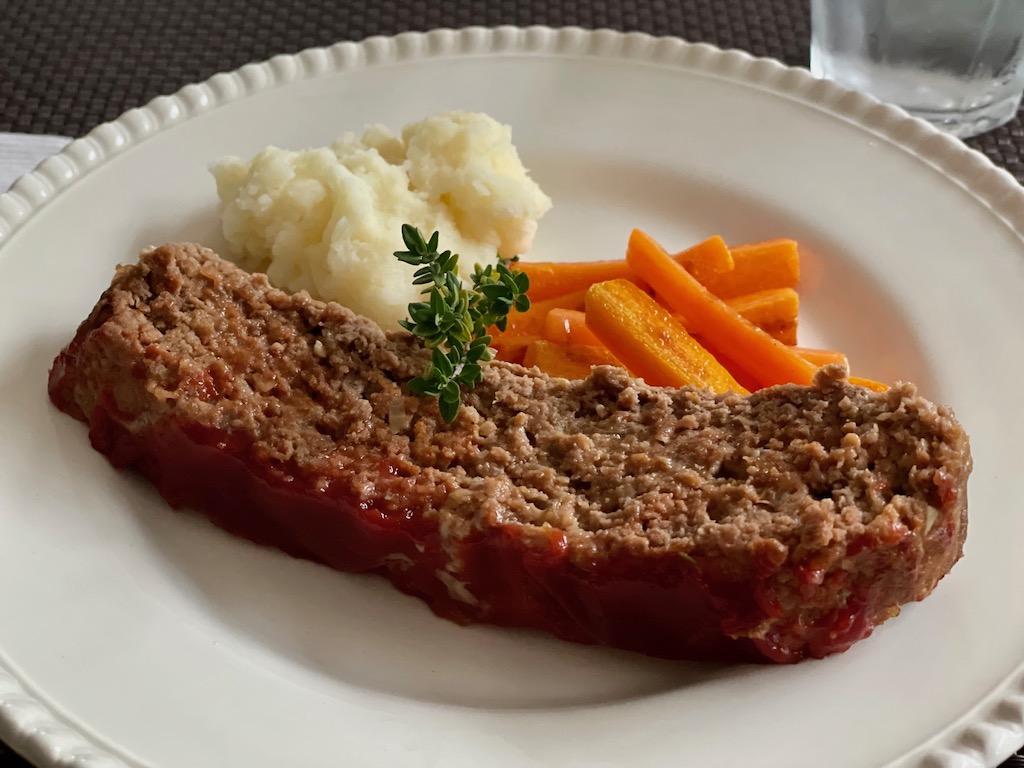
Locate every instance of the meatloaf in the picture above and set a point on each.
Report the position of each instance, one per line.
(777, 526)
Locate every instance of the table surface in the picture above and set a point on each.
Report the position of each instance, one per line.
(67, 66)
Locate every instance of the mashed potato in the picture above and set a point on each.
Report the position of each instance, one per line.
(328, 220)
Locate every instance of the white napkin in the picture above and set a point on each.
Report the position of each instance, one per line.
(21, 152)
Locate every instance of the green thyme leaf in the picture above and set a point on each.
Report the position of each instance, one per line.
(454, 319)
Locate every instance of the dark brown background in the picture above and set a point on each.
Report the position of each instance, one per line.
(66, 65)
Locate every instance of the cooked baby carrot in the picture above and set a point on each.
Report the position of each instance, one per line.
(735, 370)
(773, 311)
(567, 326)
(531, 322)
(549, 279)
(708, 259)
(784, 333)
(649, 341)
(820, 357)
(511, 348)
(757, 267)
(874, 386)
(767, 360)
(567, 361)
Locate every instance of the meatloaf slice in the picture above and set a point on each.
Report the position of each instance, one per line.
(781, 525)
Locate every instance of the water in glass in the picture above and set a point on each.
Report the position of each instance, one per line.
(956, 63)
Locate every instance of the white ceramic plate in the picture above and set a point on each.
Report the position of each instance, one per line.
(133, 635)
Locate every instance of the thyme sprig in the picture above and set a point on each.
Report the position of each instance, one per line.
(454, 319)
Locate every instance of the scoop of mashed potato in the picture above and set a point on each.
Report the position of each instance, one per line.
(328, 220)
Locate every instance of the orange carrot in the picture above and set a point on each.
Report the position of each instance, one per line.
(567, 361)
(874, 386)
(511, 348)
(773, 310)
(757, 267)
(767, 360)
(567, 326)
(649, 341)
(549, 279)
(735, 370)
(526, 327)
(708, 259)
(820, 357)
(531, 322)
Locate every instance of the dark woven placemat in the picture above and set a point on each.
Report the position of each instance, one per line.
(66, 66)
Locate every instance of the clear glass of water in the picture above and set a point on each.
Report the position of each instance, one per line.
(957, 63)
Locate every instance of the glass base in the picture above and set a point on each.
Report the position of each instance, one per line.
(972, 122)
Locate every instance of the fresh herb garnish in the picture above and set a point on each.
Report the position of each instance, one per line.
(454, 319)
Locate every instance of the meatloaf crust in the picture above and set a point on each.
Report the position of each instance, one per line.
(781, 525)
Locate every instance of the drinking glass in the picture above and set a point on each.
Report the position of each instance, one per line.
(957, 63)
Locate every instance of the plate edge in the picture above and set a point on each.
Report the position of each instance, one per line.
(978, 739)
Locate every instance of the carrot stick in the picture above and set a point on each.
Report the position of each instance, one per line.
(567, 326)
(649, 341)
(549, 279)
(511, 348)
(766, 359)
(708, 259)
(567, 361)
(773, 310)
(820, 357)
(531, 322)
(874, 386)
(736, 370)
(526, 327)
(757, 267)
